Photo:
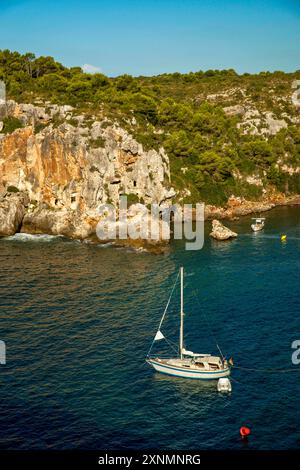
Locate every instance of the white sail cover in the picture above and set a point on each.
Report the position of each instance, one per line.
(187, 353)
(192, 354)
(158, 336)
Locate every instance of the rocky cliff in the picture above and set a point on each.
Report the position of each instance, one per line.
(65, 165)
(59, 166)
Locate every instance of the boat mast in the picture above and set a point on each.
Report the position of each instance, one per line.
(181, 314)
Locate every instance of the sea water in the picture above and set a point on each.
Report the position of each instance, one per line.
(78, 320)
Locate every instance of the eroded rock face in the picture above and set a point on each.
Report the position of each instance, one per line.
(12, 210)
(260, 123)
(72, 224)
(68, 170)
(235, 110)
(139, 224)
(220, 232)
(238, 206)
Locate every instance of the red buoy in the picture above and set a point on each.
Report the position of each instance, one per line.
(244, 432)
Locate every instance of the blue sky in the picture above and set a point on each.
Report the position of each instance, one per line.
(148, 37)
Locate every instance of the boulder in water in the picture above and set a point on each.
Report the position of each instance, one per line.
(220, 232)
(12, 210)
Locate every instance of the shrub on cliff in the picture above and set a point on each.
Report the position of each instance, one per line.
(257, 151)
(132, 199)
(10, 124)
(12, 189)
(178, 144)
(215, 165)
(277, 177)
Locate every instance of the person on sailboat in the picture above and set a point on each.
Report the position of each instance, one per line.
(224, 362)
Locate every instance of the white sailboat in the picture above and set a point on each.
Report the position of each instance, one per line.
(188, 364)
(258, 224)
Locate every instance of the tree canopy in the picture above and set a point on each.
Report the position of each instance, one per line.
(182, 112)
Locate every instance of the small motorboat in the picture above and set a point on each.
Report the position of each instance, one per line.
(224, 385)
(258, 224)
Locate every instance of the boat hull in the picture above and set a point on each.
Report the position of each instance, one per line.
(256, 228)
(186, 373)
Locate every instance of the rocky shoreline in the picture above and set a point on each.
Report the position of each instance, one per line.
(17, 214)
(238, 207)
(59, 167)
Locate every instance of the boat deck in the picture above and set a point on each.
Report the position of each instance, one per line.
(205, 364)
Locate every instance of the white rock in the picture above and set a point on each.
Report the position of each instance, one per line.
(234, 110)
(220, 232)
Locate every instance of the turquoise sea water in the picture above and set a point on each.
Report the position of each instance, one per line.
(78, 321)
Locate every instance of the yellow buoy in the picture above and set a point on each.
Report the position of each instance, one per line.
(283, 238)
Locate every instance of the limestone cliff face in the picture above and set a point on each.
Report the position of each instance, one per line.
(73, 165)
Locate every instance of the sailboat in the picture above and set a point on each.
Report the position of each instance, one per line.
(187, 364)
(258, 224)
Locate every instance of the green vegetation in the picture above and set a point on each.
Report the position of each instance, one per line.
(10, 124)
(97, 143)
(182, 112)
(132, 199)
(38, 127)
(12, 189)
(73, 122)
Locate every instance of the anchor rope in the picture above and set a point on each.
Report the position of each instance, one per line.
(270, 371)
